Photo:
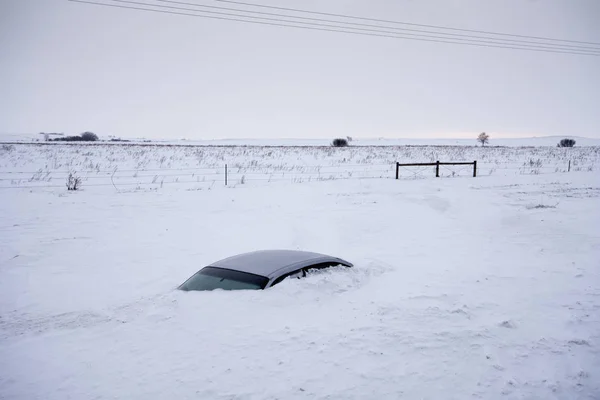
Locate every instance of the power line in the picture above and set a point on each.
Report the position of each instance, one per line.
(542, 46)
(325, 28)
(403, 23)
(450, 35)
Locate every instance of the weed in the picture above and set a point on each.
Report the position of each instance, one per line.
(73, 182)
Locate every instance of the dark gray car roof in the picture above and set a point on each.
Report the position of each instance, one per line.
(270, 263)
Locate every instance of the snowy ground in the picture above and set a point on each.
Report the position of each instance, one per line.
(142, 168)
(463, 288)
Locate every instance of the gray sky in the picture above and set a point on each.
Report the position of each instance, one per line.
(70, 67)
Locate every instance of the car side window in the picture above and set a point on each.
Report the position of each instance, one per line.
(321, 266)
(302, 272)
(295, 274)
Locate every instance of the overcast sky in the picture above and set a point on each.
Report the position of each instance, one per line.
(70, 67)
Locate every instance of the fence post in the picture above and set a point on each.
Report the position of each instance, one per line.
(225, 174)
(569, 166)
(475, 169)
(397, 170)
(437, 169)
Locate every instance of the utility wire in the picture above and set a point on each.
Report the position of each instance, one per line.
(396, 34)
(403, 23)
(450, 35)
(326, 28)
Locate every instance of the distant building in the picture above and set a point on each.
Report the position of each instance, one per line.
(48, 134)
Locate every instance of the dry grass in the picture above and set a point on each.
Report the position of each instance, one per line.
(202, 166)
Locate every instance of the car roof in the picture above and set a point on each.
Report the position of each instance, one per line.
(271, 263)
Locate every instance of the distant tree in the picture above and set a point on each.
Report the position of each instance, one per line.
(67, 139)
(566, 143)
(89, 136)
(483, 138)
(339, 142)
(84, 137)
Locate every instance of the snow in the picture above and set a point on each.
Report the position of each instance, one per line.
(463, 287)
(157, 167)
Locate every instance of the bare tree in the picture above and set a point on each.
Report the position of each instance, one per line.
(483, 138)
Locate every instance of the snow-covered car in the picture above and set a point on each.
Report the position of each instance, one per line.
(259, 270)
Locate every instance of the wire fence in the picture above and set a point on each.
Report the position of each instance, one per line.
(239, 174)
(200, 176)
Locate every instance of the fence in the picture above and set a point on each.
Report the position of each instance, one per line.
(195, 177)
(234, 174)
(437, 165)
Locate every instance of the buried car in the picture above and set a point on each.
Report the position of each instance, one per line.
(259, 269)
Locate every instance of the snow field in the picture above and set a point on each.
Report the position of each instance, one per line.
(463, 288)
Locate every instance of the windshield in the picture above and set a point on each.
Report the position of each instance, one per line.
(210, 278)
